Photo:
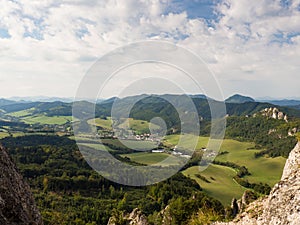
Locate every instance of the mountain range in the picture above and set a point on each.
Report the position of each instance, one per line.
(146, 107)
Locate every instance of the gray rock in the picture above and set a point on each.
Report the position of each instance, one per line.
(17, 205)
(134, 218)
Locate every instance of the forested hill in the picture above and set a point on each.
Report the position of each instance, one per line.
(145, 109)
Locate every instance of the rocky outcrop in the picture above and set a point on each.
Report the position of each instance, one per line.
(16, 201)
(273, 113)
(282, 206)
(292, 163)
(134, 218)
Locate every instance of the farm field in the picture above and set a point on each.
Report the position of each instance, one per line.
(172, 140)
(22, 113)
(221, 186)
(139, 126)
(4, 135)
(51, 120)
(224, 188)
(133, 144)
(262, 169)
(99, 146)
(149, 158)
(104, 123)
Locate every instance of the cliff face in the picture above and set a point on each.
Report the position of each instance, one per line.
(282, 206)
(16, 201)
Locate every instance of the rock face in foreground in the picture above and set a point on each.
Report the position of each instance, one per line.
(282, 206)
(16, 201)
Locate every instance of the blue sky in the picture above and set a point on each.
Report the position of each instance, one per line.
(194, 8)
(252, 47)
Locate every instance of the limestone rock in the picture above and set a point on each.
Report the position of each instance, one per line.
(134, 218)
(17, 205)
(273, 113)
(137, 218)
(292, 163)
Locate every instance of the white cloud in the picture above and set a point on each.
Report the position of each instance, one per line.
(55, 42)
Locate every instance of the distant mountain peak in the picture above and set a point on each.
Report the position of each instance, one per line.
(237, 98)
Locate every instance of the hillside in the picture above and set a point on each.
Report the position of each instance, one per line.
(239, 99)
(145, 109)
(285, 102)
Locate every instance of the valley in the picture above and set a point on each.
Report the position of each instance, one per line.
(40, 138)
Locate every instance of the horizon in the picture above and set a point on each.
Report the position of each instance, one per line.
(44, 97)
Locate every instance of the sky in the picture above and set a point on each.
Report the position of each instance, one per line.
(252, 47)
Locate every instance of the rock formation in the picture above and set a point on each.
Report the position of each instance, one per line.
(134, 218)
(273, 113)
(16, 201)
(282, 206)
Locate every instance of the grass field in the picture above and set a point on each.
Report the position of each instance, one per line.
(99, 146)
(14, 134)
(221, 186)
(42, 119)
(172, 140)
(4, 135)
(139, 126)
(263, 169)
(105, 124)
(137, 145)
(149, 158)
(18, 134)
(21, 113)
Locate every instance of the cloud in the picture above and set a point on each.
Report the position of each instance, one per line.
(55, 42)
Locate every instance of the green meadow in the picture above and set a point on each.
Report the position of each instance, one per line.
(150, 158)
(139, 126)
(133, 144)
(4, 135)
(98, 146)
(104, 123)
(221, 184)
(173, 140)
(51, 120)
(22, 113)
(263, 169)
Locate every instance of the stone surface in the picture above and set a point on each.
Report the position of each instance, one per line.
(17, 205)
(134, 218)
